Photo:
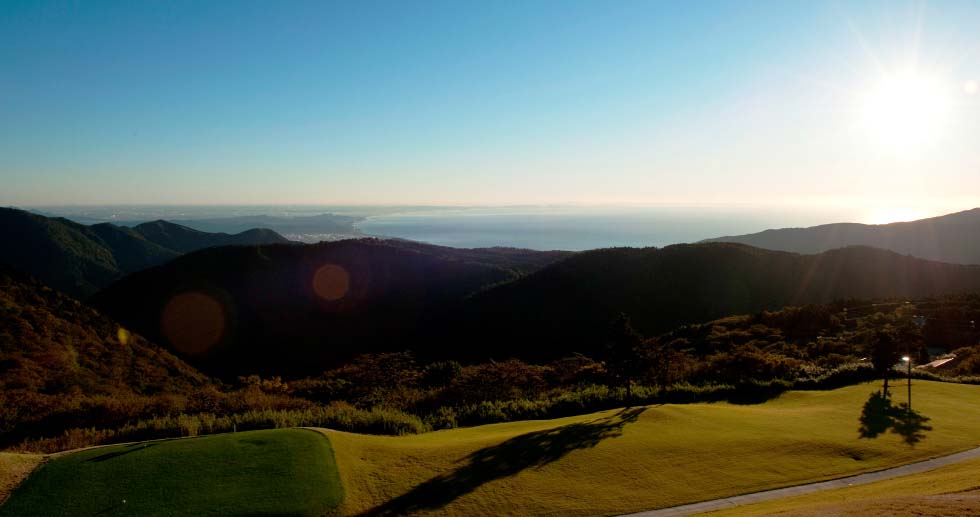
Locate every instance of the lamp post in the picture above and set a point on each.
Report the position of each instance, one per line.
(908, 363)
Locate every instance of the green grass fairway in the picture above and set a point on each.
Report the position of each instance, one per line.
(948, 491)
(613, 462)
(282, 472)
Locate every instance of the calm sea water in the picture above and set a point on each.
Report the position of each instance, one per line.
(542, 228)
(546, 228)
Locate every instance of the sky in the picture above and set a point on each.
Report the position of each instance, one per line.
(492, 103)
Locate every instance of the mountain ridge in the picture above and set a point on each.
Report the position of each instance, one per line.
(951, 238)
(79, 260)
(412, 296)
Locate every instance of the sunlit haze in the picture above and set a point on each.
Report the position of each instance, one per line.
(867, 108)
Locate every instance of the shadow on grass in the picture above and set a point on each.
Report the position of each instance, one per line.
(880, 416)
(134, 447)
(506, 459)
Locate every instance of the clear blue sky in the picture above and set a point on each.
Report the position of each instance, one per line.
(483, 102)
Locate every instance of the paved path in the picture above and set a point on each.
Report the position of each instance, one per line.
(768, 495)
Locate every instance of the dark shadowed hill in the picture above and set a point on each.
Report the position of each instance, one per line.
(567, 307)
(71, 257)
(953, 238)
(185, 240)
(79, 260)
(297, 309)
(294, 310)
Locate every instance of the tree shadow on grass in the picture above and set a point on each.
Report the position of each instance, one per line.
(135, 447)
(880, 416)
(506, 459)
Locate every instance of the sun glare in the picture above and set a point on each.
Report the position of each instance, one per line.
(894, 215)
(905, 111)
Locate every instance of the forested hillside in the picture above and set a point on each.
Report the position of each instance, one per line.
(59, 358)
(293, 310)
(566, 307)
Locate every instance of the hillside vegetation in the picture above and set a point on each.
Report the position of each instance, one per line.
(747, 358)
(295, 310)
(474, 305)
(62, 363)
(949, 238)
(567, 307)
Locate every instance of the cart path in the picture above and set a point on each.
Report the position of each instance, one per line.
(809, 488)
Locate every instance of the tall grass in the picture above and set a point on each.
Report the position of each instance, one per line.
(338, 415)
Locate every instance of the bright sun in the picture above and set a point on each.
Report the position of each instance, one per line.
(905, 111)
(885, 215)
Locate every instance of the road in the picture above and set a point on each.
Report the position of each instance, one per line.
(844, 482)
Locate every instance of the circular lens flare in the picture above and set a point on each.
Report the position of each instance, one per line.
(331, 282)
(193, 322)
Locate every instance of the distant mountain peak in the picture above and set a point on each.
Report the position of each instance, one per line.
(79, 259)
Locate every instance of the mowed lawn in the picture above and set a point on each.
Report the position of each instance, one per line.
(950, 491)
(599, 464)
(276, 472)
(617, 462)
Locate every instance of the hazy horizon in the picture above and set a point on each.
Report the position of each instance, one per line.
(564, 227)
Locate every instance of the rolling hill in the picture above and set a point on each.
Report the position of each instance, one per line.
(950, 238)
(79, 260)
(183, 239)
(296, 309)
(567, 307)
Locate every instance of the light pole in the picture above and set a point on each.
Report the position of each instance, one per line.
(908, 362)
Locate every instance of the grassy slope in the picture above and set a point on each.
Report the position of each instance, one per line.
(606, 464)
(951, 490)
(283, 472)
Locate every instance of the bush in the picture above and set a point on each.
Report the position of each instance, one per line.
(341, 416)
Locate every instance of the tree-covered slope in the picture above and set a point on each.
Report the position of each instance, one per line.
(51, 343)
(79, 260)
(567, 307)
(185, 240)
(56, 354)
(296, 309)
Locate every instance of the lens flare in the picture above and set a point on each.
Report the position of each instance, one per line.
(331, 282)
(193, 322)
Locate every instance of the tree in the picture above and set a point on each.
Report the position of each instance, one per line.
(884, 354)
(623, 354)
(657, 354)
